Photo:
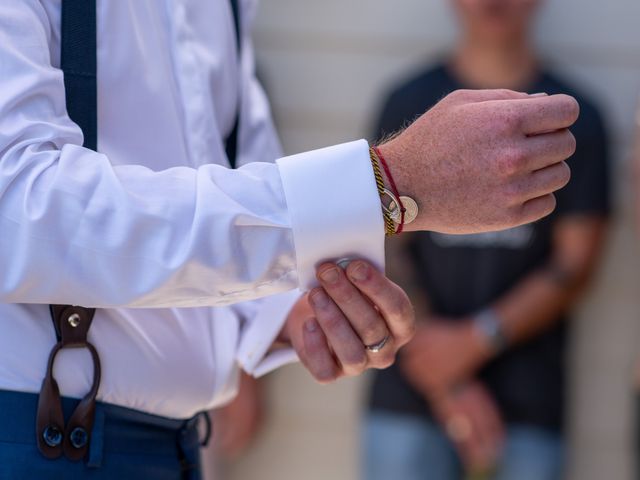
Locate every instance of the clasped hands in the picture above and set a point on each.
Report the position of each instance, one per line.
(355, 320)
(441, 362)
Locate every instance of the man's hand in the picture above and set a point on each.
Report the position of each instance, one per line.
(332, 325)
(473, 422)
(484, 160)
(442, 355)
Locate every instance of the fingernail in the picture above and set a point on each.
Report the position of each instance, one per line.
(330, 275)
(318, 298)
(539, 94)
(310, 325)
(360, 272)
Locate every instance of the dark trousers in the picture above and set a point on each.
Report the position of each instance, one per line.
(125, 444)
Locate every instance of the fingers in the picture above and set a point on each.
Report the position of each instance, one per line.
(545, 181)
(345, 343)
(540, 114)
(353, 310)
(364, 318)
(548, 149)
(390, 299)
(489, 427)
(461, 96)
(318, 358)
(537, 208)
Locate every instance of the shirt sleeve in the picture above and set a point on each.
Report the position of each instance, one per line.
(78, 230)
(262, 321)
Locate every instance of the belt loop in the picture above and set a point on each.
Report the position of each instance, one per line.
(208, 428)
(96, 447)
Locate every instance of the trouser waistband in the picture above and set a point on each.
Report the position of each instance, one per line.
(116, 430)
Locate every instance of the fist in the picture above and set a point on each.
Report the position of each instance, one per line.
(485, 160)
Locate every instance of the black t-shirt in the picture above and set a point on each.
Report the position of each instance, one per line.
(463, 274)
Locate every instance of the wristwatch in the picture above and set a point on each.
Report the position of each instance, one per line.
(488, 324)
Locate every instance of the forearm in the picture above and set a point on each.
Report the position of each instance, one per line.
(539, 300)
(533, 306)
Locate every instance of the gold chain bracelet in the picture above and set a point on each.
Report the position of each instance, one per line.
(389, 226)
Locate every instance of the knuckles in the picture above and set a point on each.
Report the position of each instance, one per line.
(503, 119)
(332, 320)
(511, 161)
(343, 293)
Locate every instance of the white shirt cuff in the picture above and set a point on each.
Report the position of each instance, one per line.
(334, 206)
(261, 328)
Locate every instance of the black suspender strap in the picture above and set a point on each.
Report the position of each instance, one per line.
(79, 64)
(235, 9)
(231, 143)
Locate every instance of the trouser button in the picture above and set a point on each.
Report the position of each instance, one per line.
(52, 436)
(78, 437)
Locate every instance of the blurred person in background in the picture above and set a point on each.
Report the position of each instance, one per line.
(236, 426)
(480, 390)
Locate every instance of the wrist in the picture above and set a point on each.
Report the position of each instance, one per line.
(489, 332)
(404, 183)
(300, 311)
(399, 209)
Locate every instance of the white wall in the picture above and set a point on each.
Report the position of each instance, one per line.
(325, 64)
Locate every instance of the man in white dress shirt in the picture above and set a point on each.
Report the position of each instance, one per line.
(155, 222)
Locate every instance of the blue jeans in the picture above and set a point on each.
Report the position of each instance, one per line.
(406, 447)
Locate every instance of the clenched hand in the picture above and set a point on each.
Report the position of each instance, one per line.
(484, 160)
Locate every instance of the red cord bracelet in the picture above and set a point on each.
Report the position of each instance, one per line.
(394, 188)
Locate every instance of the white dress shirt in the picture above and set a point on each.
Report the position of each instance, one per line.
(156, 219)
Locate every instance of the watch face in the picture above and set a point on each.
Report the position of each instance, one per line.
(489, 325)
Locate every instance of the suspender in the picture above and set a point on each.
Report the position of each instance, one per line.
(72, 323)
(79, 65)
(231, 143)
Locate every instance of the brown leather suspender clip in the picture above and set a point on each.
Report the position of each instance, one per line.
(54, 436)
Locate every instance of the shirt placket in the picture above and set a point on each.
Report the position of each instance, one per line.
(197, 123)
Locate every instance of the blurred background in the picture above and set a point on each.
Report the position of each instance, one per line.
(327, 67)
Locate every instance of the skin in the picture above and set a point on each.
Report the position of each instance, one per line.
(480, 160)
(454, 351)
(330, 326)
(237, 424)
(481, 439)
